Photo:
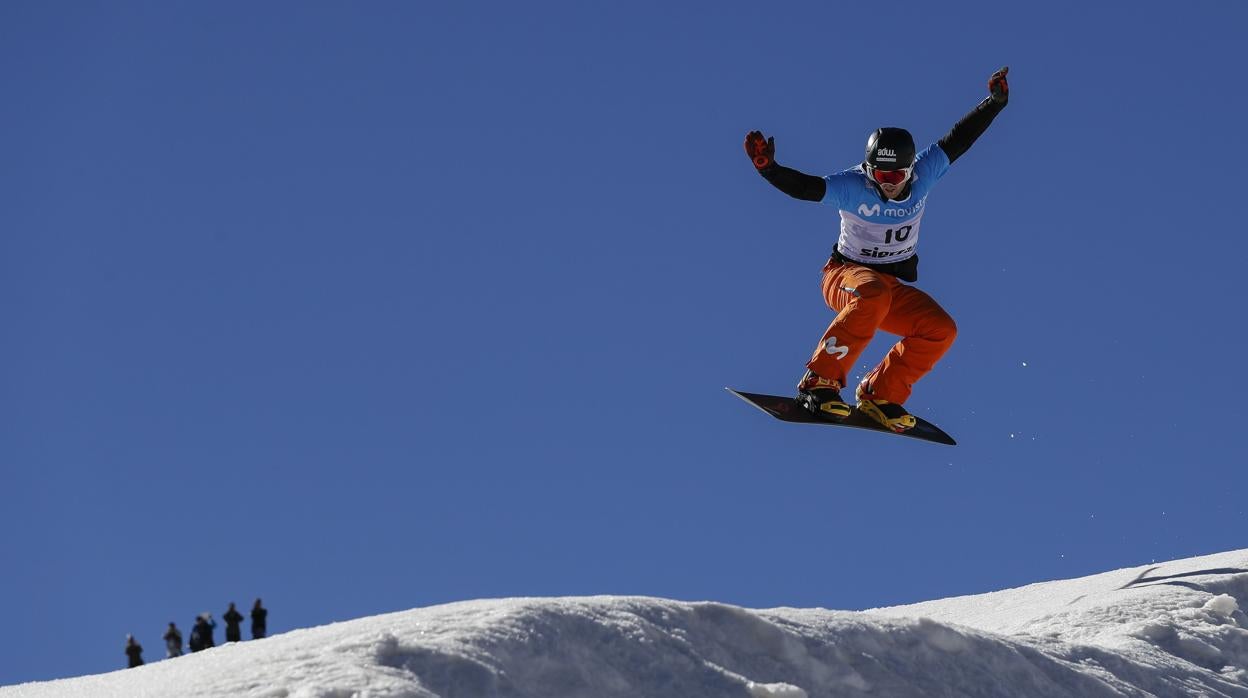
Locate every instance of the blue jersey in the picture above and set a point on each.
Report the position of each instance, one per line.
(877, 230)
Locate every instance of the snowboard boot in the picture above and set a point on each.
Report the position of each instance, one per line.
(890, 414)
(822, 396)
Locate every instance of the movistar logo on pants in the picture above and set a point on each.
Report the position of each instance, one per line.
(831, 347)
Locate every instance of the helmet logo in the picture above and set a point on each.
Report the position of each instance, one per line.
(890, 147)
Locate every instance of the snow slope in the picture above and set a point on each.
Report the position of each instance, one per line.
(1172, 629)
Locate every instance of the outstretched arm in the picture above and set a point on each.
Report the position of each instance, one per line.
(972, 126)
(762, 152)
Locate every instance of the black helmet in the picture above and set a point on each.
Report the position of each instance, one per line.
(890, 148)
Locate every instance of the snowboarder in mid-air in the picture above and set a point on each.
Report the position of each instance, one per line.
(881, 203)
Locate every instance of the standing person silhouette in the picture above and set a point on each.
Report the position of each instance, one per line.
(259, 621)
(134, 652)
(173, 641)
(201, 634)
(232, 618)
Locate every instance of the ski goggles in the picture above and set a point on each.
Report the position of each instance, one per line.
(889, 176)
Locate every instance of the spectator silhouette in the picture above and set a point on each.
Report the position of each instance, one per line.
(232, 618)
(259, 621)
(196, 642)
(134, 651)
(173, 640)
(201, 634)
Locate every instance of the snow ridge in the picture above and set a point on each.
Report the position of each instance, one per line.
(1175, 629)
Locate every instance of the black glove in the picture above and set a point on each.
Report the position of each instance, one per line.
(998, 87)
(762, 151)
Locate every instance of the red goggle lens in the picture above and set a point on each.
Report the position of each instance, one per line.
(890, 176)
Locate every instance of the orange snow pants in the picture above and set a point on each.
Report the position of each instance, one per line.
(866, 300)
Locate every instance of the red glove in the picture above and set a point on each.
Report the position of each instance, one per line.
(762, 151)
(998, 87)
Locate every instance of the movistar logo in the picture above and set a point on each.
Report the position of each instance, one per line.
(892, 211)
(886, 151)
(831, 347)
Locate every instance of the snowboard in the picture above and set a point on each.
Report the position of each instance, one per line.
(788, 409)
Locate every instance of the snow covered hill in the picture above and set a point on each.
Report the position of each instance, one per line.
(1171, 629)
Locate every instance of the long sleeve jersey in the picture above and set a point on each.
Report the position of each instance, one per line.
(876, 231)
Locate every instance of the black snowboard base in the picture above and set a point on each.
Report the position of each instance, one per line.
(788, 409)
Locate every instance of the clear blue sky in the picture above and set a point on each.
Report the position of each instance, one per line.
(363, 307)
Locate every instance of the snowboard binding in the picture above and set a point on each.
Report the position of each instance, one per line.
(822, 397)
